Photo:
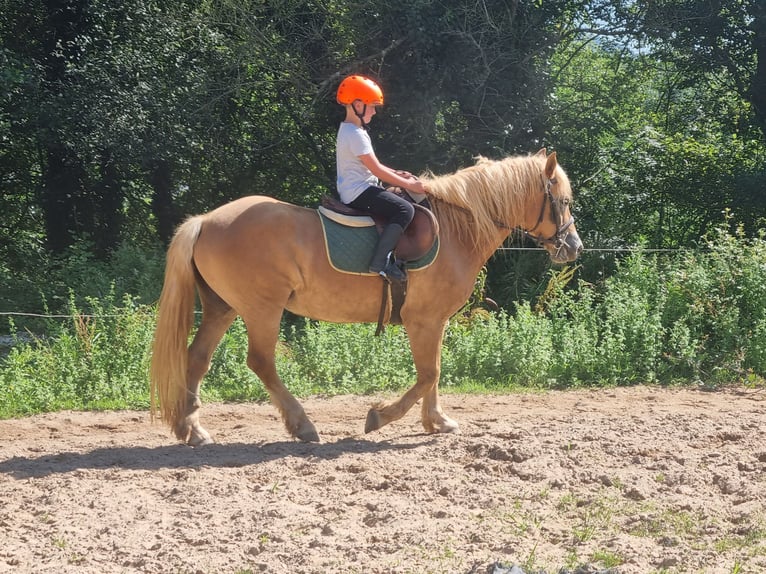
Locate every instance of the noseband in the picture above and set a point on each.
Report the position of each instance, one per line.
(557, 239)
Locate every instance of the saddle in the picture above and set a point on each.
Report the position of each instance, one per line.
(417, 243)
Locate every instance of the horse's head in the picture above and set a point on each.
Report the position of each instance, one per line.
(554, 226)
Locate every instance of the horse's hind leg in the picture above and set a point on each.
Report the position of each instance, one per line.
(217, 316)
(425, 342)
(263, 335)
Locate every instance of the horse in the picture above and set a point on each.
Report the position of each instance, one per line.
(257, 256)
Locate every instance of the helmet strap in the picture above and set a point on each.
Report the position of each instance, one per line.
(361, 116)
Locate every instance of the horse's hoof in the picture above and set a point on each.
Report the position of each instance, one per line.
(443, 425)
(308, 434)
(450, 429)
(200, 437)
(373, 422)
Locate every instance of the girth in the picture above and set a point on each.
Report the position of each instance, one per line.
(396, 291)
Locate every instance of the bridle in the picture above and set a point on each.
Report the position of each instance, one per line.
(557, 239)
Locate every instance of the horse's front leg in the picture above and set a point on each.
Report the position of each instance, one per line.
(432, 415)
(425, 342)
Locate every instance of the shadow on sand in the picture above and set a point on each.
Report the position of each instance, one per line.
(182, 456)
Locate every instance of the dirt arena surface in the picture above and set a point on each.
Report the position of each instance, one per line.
(641, 480)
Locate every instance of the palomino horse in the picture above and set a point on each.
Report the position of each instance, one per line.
(256, 256)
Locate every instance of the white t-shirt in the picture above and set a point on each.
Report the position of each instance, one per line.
(353, 176)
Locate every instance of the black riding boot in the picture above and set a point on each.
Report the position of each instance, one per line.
(382, 261)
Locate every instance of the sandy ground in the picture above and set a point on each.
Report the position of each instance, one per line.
(640, 480)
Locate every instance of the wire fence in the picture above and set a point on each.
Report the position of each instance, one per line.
(504, 249)
(599, 250)
(56, 316)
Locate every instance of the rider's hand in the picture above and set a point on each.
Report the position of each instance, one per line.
(417, 186)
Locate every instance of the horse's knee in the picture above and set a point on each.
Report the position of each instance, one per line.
(428, 376)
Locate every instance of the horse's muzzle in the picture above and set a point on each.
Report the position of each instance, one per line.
(568, 249)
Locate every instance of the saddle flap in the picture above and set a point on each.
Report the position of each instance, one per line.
(420, 235)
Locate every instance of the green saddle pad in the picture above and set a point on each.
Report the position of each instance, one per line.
(350, 249)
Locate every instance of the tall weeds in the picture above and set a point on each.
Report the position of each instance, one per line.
(97, 359)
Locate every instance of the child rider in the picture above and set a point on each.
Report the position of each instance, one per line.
(360, 172)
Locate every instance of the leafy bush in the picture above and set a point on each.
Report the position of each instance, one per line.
(698, 316)
(695, 317)
(98, 359)
(51, 285)
(498, 350)
(629, 325)
(329, 358)
(716, 309)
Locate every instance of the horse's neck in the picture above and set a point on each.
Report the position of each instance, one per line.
(475, 256)
(490, 247)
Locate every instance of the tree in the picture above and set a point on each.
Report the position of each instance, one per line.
(658, 158)
(462, 79)
(719, 40)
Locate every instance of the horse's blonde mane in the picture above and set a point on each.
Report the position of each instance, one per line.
(473, 201)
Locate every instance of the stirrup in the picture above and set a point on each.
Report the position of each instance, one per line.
(392, 272)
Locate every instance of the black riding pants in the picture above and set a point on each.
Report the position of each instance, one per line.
(381, 202)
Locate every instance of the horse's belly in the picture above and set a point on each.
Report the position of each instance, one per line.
(335, 308)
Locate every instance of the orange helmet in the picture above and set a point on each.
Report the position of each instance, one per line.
(359, 88)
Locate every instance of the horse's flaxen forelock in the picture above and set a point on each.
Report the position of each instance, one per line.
(473, 201)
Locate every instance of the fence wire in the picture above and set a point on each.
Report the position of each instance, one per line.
(542, 249)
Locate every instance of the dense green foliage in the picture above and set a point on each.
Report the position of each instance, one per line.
(698, 316)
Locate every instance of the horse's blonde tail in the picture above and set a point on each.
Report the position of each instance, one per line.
(175, 317)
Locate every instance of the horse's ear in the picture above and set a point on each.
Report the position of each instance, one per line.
(550, 166)
(541, 152)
